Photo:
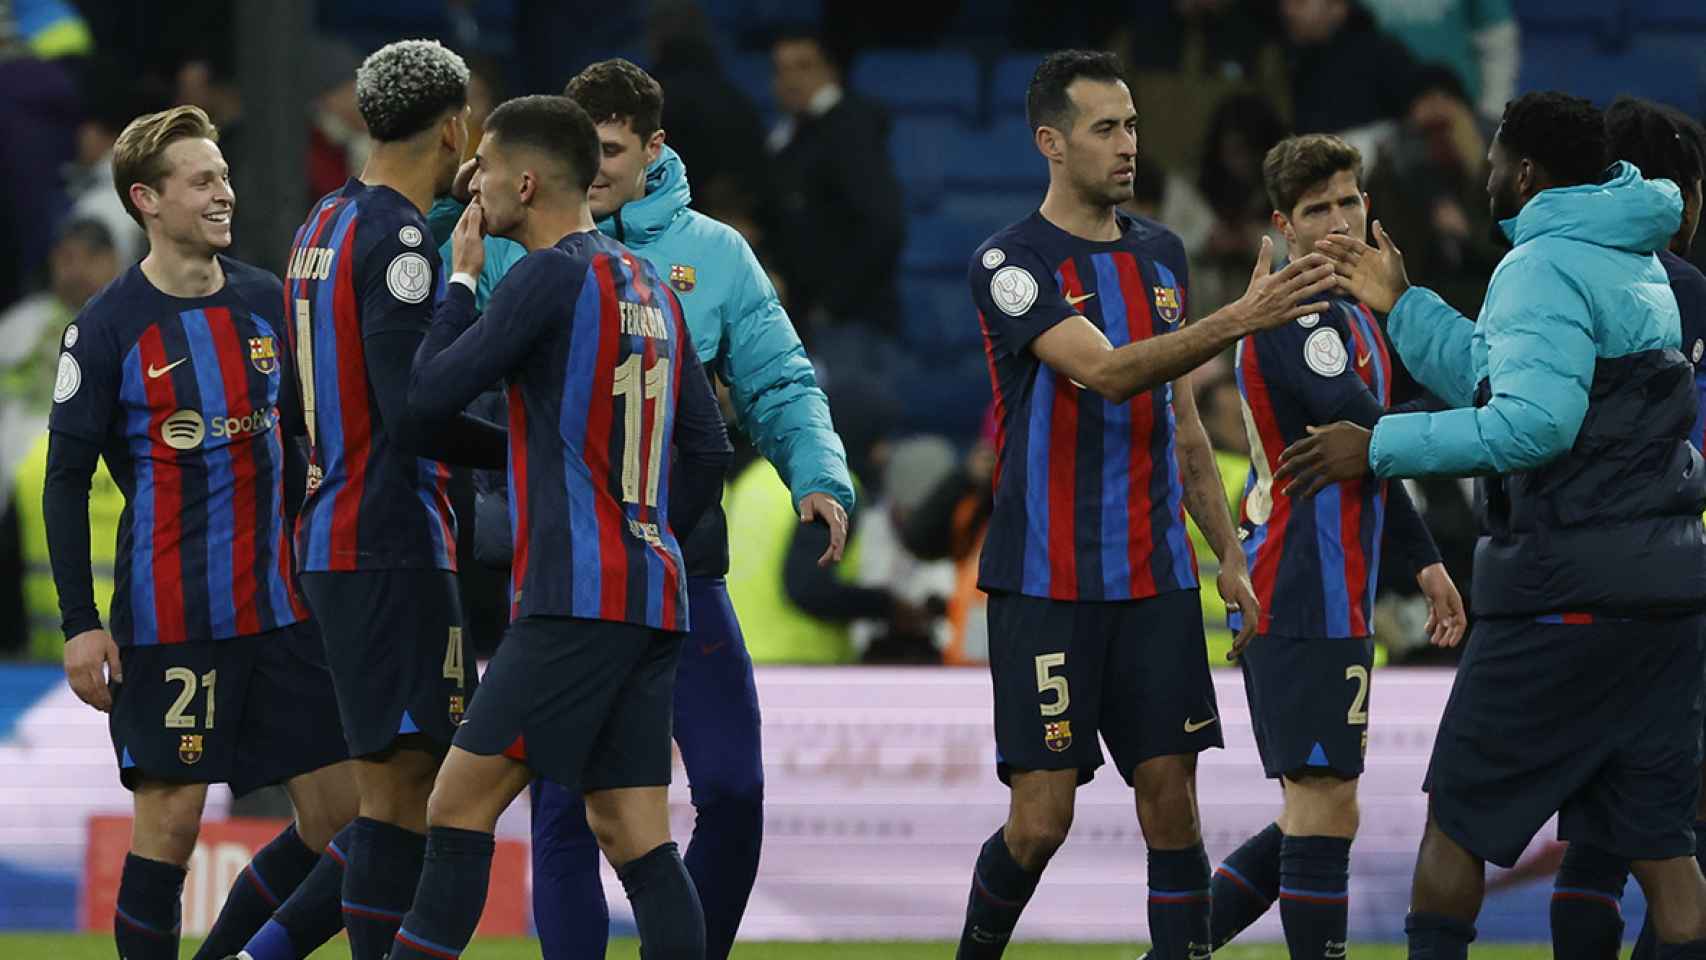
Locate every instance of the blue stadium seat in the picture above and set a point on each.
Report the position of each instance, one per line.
(751, 72)
(1669, 69)
(943, 82)
(1003, 157)
(989, 210)
(939, 244)
(921, 148)
(938, 312)
(1603, 18)
(1668, 15)
(1009, 81)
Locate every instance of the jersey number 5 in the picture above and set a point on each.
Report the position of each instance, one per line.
(637, 388)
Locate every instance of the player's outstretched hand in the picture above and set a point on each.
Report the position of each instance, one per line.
(822, 506)
(86, 655)
(1446, 620)
(1240, 597)
(459, 187)
(1275, 299)
(468, 242)
(1375, 275)
(1338, 451)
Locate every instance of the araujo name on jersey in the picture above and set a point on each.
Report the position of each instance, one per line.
(310, 263)
(641, 320)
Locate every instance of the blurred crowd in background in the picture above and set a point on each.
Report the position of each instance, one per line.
(864, 159)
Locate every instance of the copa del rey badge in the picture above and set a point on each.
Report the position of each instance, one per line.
(682, 277)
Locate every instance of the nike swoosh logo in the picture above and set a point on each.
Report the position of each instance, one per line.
(1363, 358)
(155, 373)
(1194, 727)
(1075, 301)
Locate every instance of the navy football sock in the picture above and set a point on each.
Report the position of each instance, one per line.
(1178, 903)
(310, 916)
(379, 884)
(1246, 885)
(271, 876)
(666, 907)
(1000, 888)
(451, 896)
(1314, 899)
(150, 895)
(1587, 918)
(1433, 936)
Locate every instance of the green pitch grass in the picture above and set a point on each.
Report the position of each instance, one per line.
(96, 947)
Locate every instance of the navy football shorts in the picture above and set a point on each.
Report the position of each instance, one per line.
(394, 644)
(1134, 672)
(248, 711)
(1309, 703)
(588, 704)
(1598, 722)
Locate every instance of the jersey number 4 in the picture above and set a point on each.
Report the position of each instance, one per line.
(638, 388)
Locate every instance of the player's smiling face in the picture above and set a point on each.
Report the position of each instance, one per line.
(194, 203)
(1101, 149)
(623, 159)
(1335, 205)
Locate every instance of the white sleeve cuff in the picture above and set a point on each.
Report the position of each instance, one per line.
(467, 280)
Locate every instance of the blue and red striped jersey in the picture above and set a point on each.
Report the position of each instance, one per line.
(363, 266)
(1088, 501)
(1315, 562)
(183, 397)
(602, 382)
(1689, 285)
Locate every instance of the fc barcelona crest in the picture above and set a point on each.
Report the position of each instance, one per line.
(189, 748)
(682, 277)
(1167, 304)
(457, 709)
(263, 355)
(1057, 735)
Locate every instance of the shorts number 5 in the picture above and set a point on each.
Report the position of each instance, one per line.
(1047, 682)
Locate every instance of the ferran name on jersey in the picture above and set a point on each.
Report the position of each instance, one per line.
(642, 320)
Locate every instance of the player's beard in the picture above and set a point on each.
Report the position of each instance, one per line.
(1104, 192)
(1504, 203)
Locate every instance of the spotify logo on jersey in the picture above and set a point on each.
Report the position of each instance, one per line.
(183, 430)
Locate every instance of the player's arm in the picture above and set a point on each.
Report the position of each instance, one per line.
(1206, 500)
(1431, 336)
(395, 314)
(777, 399)
(1540, 359)
(462, 357)
(701, 441)
(1074, 347)
(85, 397)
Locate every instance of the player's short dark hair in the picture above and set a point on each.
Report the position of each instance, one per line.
(556, 127)
(1296, 164)
(403, 88)
(139, 153)
(1664, 142)
(1564, 135)
(616, 90)
(1046, 101)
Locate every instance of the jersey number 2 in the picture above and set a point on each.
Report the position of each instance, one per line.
(637, 387)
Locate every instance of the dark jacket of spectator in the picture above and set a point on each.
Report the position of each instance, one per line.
(1345, 73)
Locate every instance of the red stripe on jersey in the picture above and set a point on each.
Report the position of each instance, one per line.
(1576, 618)
(1364, 352)
(442, 509)
(612, 557)
(1264, 573)
(517, 751)
(518, 470)
(1062, 490)
(1000, 404)
(671, 574)
(1140, 535)
(1356, 561)
(233, 359)
(353, 405)
(168, 533)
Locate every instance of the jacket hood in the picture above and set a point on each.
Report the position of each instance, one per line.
(643, 221)
(1626, 212)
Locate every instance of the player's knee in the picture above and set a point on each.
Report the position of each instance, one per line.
(167, 830)
(1033, 836)
(730, 793)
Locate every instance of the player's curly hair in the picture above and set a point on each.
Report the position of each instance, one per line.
(404, 87)
(618, 89)
(1297, 163)
(1564, 135)
(1046, 101)
(1665, 143)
